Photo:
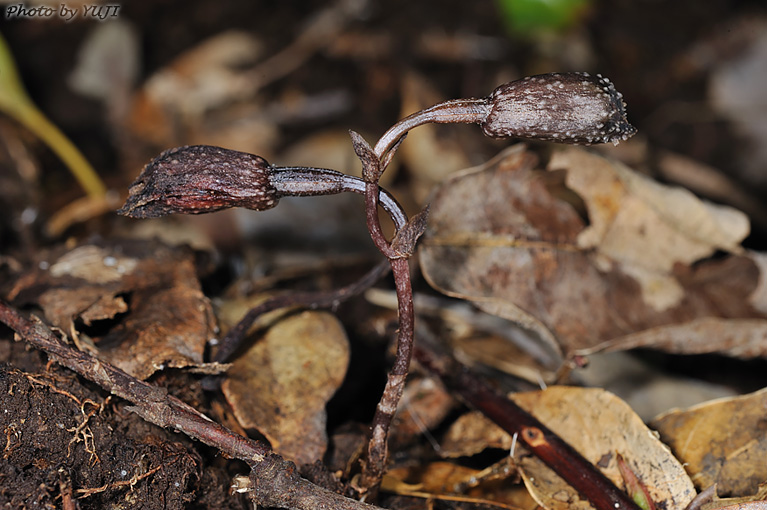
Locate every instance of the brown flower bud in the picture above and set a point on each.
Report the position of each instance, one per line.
(200, 179)
(559, 107)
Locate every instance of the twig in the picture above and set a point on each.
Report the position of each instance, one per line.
(236, 334)
(276, 481)
(542, 442)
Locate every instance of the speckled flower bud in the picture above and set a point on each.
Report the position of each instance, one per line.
(200, 179)
(559, 107)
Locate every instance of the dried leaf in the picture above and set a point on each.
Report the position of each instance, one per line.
(451, 482)
(598, 424)
(473, 433)
(629, 212)
(720, 442)
(168, 320)
(281, 385)
(636, 276)
(424, 405)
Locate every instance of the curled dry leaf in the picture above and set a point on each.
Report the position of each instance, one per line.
(281, 384)
(167, 320)
(720, 442)
(637, 275)
(599, 425)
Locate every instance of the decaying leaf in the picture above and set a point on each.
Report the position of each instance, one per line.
(599, 425)
(644, 226)
(423, 406)
(721, 442)
(637, 275)
(451, 482)
(207, 93)
(471, 434)
(167, 321)
(281, 384)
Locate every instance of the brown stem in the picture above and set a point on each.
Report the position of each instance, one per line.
(236, 334)
(377, 452)
(303, 181)
(275, 480)
(542, 442)
(457, 111)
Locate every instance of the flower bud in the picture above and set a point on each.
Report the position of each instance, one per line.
(560, 107)
(200, 179)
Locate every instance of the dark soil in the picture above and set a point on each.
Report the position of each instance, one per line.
(66, 443)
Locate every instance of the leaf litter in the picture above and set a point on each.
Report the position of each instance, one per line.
(137, 304)
(109, 310)
(641, 273)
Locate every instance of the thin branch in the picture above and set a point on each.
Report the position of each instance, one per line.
(275, 481)
(542, 442)
(236, 334)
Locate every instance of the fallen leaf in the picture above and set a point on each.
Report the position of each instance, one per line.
(167, 319)
(720, 442)
(424, 404)
(471, 434)
(451, 482)
(637, 275)
(281, 384)
(629, 212)
(599, 425)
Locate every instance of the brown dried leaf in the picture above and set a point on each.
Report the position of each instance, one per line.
(424, 405)
(452, 482)
(597, 424)
(473, 433)
(720, 442)
(634, 276)
(168, 320)
(281, 385)
(629, 212)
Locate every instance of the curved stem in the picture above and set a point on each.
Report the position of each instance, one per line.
(456, 111)
(236, 334)
(306, 181)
